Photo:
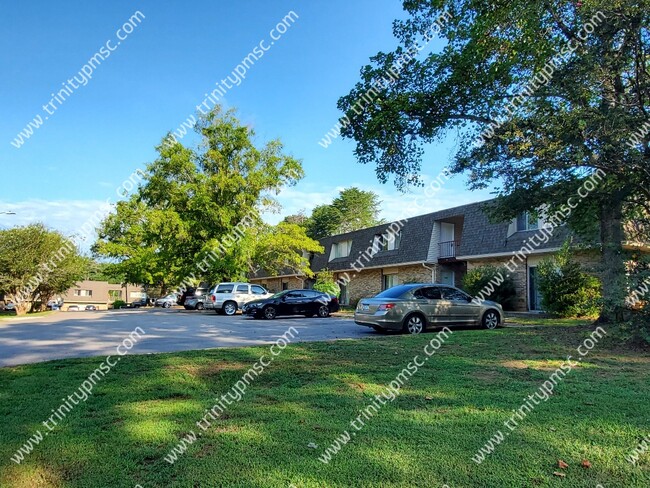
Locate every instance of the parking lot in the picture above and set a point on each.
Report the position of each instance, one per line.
(78, 334)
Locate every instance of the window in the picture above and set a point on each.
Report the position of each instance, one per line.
(340, 249)
(241, 289)
(258, 290)
(389, 280)
(83, 293)
(428, 293)
(387, 242)
(527, 221)
(224, 288)
(114, 295)
(285, 285)
(454, 295)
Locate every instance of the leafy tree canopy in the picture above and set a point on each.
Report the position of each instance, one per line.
(352, 209)
(36, 264)
(540, 95)
(200, 206)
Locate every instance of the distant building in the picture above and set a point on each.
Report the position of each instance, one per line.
(100, 293)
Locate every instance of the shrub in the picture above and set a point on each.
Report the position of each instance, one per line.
(118, 304)
(491, 283)
(325, 283)
(567, 291)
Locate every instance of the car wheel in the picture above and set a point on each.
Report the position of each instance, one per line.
(323, 311)
(199, 306)
(491, 319)
(270, 312)
(167, 305)
(229, 308)
(414, 324)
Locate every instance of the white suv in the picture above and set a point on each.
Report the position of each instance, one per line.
(228, 297)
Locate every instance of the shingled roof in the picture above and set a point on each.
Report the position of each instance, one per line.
(479, 237)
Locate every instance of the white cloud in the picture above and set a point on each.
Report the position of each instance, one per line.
(67, 216)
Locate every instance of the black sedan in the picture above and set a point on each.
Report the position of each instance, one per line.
(293, 302)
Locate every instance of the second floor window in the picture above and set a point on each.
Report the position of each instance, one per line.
(527, 221)
(83, 293)
(340, 249)
(387, 242)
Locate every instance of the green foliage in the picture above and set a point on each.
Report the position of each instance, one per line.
(353, 209)
(36, 264)
(477, 281)
(325, 282)
(567, 291)
(192, 203)
(281, 248)
(118, 304)
(534, 102)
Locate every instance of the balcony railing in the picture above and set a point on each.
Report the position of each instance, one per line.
(448, 249)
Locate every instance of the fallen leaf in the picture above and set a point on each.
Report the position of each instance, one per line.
(428, 398)
(562, 465)
(586, 464)
(311, 445)
(553, 429)
(557, 473)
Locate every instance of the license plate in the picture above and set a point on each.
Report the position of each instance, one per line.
(365, 308)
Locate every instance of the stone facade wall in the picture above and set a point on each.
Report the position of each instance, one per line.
(274, 285)
(368, 282)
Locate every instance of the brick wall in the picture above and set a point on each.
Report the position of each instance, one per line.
(274, 285)
(519, 276)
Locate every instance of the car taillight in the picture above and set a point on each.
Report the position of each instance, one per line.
(386, 306)
(213, 298)
(335, 300)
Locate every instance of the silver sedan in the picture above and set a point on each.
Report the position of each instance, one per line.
(414, 307)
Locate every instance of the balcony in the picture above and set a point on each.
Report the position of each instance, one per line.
(447, 250)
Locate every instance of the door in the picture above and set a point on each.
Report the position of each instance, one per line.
(447, 277)
(429, 301)
(294, 303)
(447, 236)
(461, 308)
(534, 297)
(241, 294)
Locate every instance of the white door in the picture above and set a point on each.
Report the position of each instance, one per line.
(446, 232)
(447, 278)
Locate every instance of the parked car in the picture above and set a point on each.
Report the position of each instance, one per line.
(54, 304)
(293, 302)
(227, 298)
(166, 301)
(414, 307)
(73, 308)
(201, 290)
(90, 308)
(195, 303)
(10, 306)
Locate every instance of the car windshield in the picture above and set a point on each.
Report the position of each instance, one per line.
(280, 294)
(394, 292)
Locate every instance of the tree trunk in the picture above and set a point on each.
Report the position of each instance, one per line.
(613, 260)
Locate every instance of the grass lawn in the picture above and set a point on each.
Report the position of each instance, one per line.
(4, 315)
(426, 437)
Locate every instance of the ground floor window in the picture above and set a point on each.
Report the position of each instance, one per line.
(285, 285)
(388, 281)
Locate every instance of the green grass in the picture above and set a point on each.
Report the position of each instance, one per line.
(532, 319)
(426, 437)
(4, 315)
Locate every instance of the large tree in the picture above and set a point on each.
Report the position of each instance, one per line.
(37, 263)
(352, 209)
(191, 215)
(540, 95)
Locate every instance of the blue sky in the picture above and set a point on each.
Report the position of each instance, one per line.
(153, 80)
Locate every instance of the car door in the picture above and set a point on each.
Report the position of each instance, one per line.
(294, 303)
(461, 308)
(241, 294)
(429, 301)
